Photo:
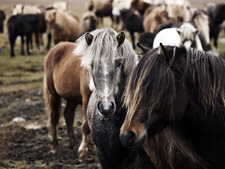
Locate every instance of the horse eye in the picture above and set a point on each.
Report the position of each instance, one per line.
(91, 66)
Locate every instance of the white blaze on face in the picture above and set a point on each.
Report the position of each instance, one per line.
(106, 87)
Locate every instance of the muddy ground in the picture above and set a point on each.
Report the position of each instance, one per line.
(22, 147)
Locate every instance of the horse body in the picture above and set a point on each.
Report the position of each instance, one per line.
(218, 19)
(168, 36)
(129, 17)
(22, 25)
(171, 114)
(63, 26)
(65, 78)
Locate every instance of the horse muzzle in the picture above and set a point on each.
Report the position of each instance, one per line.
(130, 140)
(106, 109)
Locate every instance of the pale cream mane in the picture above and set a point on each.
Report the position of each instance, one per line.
(60, 18)
(105, 41)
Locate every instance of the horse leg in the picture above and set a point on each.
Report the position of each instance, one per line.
(49, 40)
(69, 118)
(55, 106)
(112, 19)
(12, 44)
(216, 34)
(132, 39)
(83, 150)
(22, 45)
(28, 41)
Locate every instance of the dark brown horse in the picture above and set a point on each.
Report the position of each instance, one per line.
(176, 108)
(65, 78)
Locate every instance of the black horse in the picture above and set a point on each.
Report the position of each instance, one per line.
(176, 108)
(23, 26)
(133, 22)
(216, 22)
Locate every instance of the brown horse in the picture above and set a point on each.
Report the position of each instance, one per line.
(65, 78)
(154, 17)
(64, 26)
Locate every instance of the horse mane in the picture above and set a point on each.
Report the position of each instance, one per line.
(152, 86)
(208, 78)
(206, 73)
(107, 38)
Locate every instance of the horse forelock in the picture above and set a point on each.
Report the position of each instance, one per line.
(150, 87)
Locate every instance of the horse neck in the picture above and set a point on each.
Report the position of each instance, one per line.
(198, 43)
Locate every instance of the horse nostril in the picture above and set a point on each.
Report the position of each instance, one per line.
(111, 107)
(99, 107)
(129, 139)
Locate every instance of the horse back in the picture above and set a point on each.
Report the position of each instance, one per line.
(63, 70)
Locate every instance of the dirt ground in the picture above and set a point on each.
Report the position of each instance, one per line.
(25, 144)
(23, 147)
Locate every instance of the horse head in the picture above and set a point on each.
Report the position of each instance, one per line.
(110, 58)
(150, 95)
(189, 36)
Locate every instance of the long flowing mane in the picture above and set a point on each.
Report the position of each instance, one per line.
(202, 73)
(105, 42)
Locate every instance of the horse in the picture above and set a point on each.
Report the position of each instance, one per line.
(154, 17)
(176, 108)
(89, 22)
(64, 77)
(105, 11)
(129, 17)
(218, 19)
(2, 18)
(186, 35)
(63, 26)
(179, 13)
(22, 25)
(109, 67)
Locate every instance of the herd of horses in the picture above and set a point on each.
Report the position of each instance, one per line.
(163, 110)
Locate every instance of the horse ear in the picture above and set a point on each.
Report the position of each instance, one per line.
(143, 48)
(120, 38)
(196, 32)
(88, 38)
(178, 31)
(164, 56)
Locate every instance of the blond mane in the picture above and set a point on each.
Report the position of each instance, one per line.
(105, 41)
